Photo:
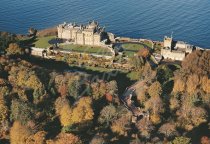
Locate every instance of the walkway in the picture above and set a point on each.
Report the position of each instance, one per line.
(129, 104)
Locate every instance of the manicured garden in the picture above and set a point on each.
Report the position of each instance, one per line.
(87, 49)
(43, 42)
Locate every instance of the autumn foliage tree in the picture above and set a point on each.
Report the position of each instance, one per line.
(37, 138)
(192, 83)
(144, 52)
(145, 127)
(189, 115)
(14, 49)
(194, 73)
(74, 87)
(168, 129)
(205, 82)
(179, 85)
(112, 88)
(98, 90)
(97, 139)
(21, 111)
(181, 140)
(191, 87)
(65, 138)
(25, 77)
(81, 113)
(19, 133)
(155, 89)
(155, 103)
(65, 115)
(4, 122)
(83, 110)
(197, 63)
(59, 103)
(205, 140)
(122, 124)
(148, 73)
(63, 90)
(174, 103)
(68, 85)
(3, 111)
(5, 39)
(107, 115)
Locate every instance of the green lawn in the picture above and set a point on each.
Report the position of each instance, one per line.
(42, 42)
(129, 53)
(87, 49)
(131, 48)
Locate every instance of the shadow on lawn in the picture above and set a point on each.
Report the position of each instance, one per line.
(121, 77)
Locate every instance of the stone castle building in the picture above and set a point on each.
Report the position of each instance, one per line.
(175, 50)
(90, 34)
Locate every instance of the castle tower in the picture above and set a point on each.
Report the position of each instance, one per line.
(60, 31)
(168, 42)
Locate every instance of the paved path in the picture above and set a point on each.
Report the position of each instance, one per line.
(127, 96)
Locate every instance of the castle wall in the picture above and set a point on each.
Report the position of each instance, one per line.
(74, 34)
(84, 35)
(80, 39)
(60, 31)
(37, 51)
(97, 39)
(89, 38)
(189, 50)
(181, 45)
(172, 55)
(66, 34)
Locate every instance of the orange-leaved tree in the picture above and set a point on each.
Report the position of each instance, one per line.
(19, 133)
(83, 110)
(65, 138)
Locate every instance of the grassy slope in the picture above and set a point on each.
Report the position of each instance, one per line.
(131, 48)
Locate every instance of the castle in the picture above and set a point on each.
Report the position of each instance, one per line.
(90, 34)
(175, 50)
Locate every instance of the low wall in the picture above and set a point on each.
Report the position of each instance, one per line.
(39, 52)
(77, 53)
